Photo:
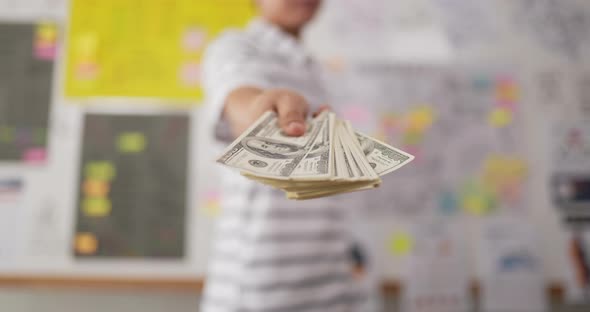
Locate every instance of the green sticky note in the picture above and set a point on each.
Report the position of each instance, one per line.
(100, 170)
(40, 136)
(131, 142)
(97, 207)
(6, 134)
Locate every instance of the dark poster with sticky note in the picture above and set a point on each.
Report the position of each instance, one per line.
(27, 54)
(133, 187)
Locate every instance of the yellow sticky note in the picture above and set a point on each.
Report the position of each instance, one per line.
(100, 170)
(47, 32)
(477, 200)
(401, 244)
(421, 119)
(212, 207)
(500, 117)
(212, 204)
(96, 188)
(85, 48)
(96, 207)
(131, 142)
(413, 138)
(476, 204)
(86, 243)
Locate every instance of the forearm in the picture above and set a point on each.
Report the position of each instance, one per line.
(245, 105)
(240, 108)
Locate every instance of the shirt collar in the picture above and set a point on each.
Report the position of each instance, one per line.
(280, 40)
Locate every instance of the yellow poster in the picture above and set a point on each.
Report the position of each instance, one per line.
(144, 48)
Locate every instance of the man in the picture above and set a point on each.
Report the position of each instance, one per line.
(272, 254)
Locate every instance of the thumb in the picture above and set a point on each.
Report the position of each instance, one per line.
(291, 114)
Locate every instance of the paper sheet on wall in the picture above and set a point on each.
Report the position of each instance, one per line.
(571, 146)
(11, 219)
(379, 30)
(556, 26)
(27, 54)
(464, 126)
(510, 267)
(469, 22)
(583, 87)
(144, 48)
(33, 9)
(438, 280)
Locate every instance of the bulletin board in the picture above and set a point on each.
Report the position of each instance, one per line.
(144, 48)
(132, 195)
(27, 59)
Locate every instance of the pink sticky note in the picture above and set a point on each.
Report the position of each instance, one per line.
(46, 52)
(415, 151)
(194, 40)
(35, 155)
(508, 105)
(357, 114)
(506, 80)
(86, 71)
(190, 74)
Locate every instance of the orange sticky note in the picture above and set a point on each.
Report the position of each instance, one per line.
(86, 243)
(335, 64)
(499, 169)
(96, 188)
(421, 119)
(507, 92)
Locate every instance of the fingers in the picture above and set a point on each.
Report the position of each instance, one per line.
(322, 109)
(292, 111)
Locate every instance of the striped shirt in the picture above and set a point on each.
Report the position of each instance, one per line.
(272, 254)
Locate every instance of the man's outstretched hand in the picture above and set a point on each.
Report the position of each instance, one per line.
(245, 105)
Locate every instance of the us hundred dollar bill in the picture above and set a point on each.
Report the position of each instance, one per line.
(319, 162)
(382, 157)
(264, 151)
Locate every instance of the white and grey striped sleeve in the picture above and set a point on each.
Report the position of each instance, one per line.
(229, 63)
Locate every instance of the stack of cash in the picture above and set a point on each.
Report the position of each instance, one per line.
(330, 158)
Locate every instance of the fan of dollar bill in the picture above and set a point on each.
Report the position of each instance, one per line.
(330, 158)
